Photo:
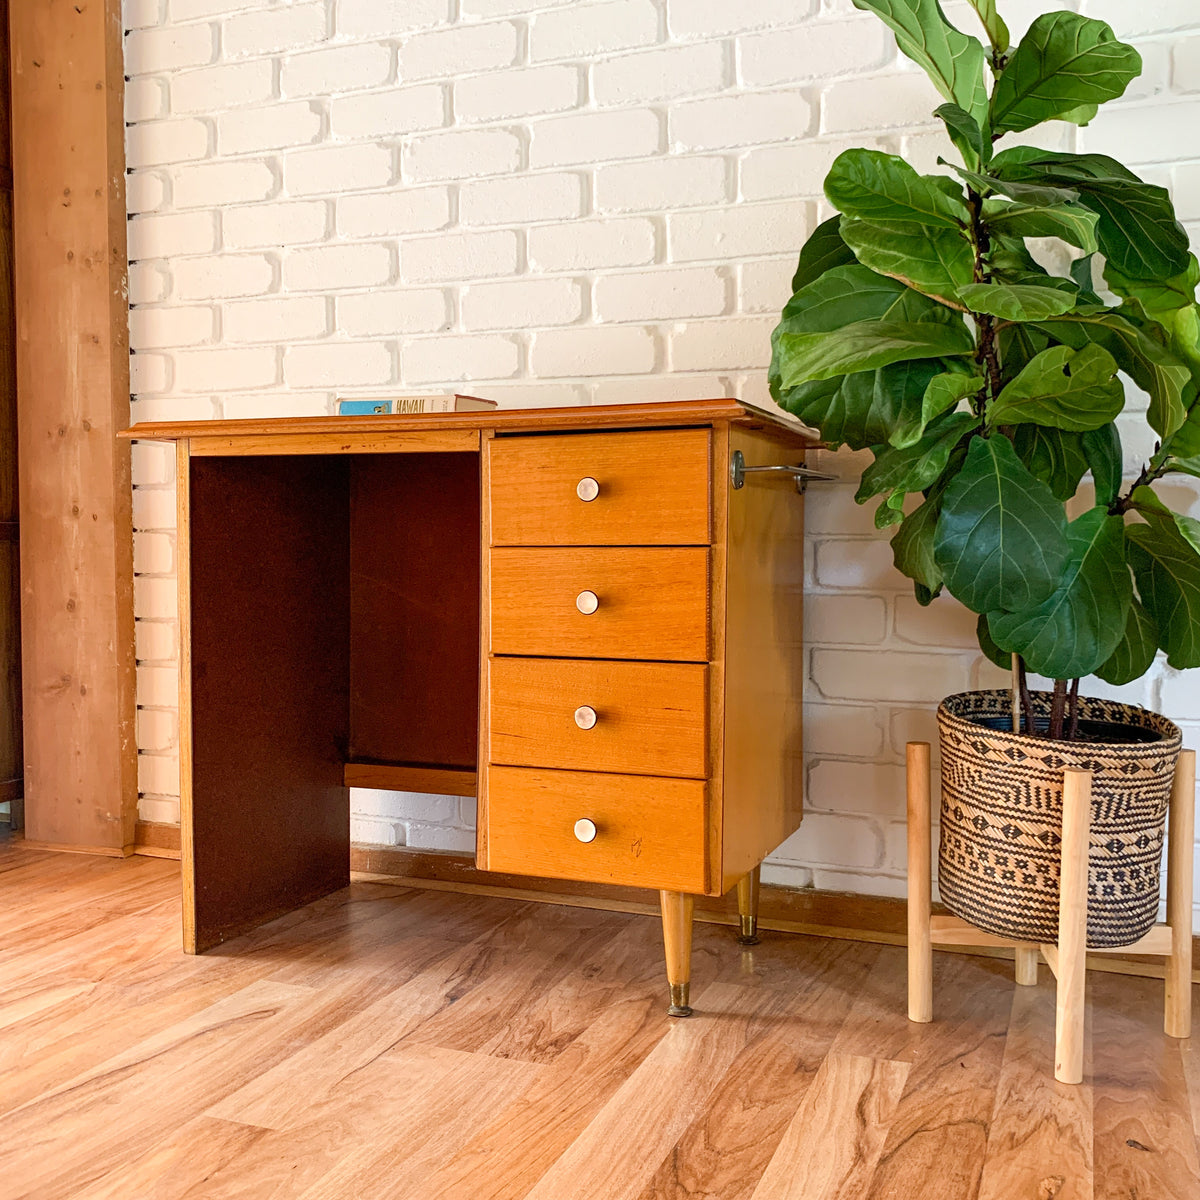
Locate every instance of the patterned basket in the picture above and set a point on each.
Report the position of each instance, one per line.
(998, 862)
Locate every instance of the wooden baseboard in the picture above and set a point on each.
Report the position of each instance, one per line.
(63, 848)
(156, 839)
(783, 910)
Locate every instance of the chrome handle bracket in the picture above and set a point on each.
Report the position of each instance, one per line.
(801, 474)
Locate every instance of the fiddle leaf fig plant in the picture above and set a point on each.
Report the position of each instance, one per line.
(986, 384)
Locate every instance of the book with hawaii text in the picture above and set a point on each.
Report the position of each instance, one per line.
(396, 405)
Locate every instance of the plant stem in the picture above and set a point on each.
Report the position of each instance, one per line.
(1153, 470)
(1016, 695)
(1026, 698)
(986, 353)
(1058, 707)
(1073, 703)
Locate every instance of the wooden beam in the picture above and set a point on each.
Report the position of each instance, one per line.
(73, 397)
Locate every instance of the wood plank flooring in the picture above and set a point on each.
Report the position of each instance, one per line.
(404, 1044)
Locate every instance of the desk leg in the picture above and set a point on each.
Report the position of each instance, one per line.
(677, 941)
(747, 889)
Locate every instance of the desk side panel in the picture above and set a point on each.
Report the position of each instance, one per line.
(764, 665)
(269, 689)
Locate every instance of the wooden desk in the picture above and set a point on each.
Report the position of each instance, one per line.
(572, 612)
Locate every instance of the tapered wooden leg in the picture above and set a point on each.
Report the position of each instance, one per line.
(1026, 965)
(748, 907)
(1177, 1018)
(677, 941)
(1072, 926)
(920, 948)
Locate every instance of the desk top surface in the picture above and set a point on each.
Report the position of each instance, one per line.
(494, 420)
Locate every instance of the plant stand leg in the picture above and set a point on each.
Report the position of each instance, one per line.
(677, 910)
(920, 947)
(1072, 926)
(747, 889)
(1026, 966)
(1177, 1019)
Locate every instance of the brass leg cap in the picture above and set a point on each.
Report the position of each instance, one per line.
(749, 931)
(679, 1001)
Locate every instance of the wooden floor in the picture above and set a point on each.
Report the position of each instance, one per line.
(410, 1044)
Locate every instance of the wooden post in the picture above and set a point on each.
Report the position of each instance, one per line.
(1025, 959)
(1072, 926)
(1177, 1019)
(920, 884)
(73, 397)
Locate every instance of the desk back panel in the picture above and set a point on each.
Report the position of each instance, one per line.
(414, 609)
(269, 715)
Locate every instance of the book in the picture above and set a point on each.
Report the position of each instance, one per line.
(395, 405)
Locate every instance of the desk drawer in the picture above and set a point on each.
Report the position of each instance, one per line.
(649, 832)
(649, 603)
(640, 718)
(646, 489)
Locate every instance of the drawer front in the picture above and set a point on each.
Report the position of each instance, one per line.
(646, 489)
(649, 832)
(640, 718)
(649, 603)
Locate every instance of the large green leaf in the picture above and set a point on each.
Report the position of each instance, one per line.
(1152, 367)
(1137, 231)
(1080, 271)
(1135, 652)
(866, 408)
(1014, 189)
(936, 262)
(1157, 296)
(1071, 222)
(1016, 301)
(1166, 566)
(1054, 456)
(823, 250)
(1102, 448)
(1079, 626)
(866, 345)
(996, 29)
(952, 59)
(1001, 539)
(912, 546)
(1064, 62)
(987, 643)
(965, 133)
(839, 297)
(1019, 345)
(914, 468)
(883, 187)
(1062, 388)
(943, 393)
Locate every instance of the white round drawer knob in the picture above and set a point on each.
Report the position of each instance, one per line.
(585, 717)
(587, 603)
(585, 830)
(587, 488)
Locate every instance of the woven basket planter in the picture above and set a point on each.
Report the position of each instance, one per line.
(1001, 820)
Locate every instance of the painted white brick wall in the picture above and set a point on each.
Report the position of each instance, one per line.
(552, 202)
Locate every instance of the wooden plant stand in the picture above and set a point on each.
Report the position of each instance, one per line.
(1068, 958)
